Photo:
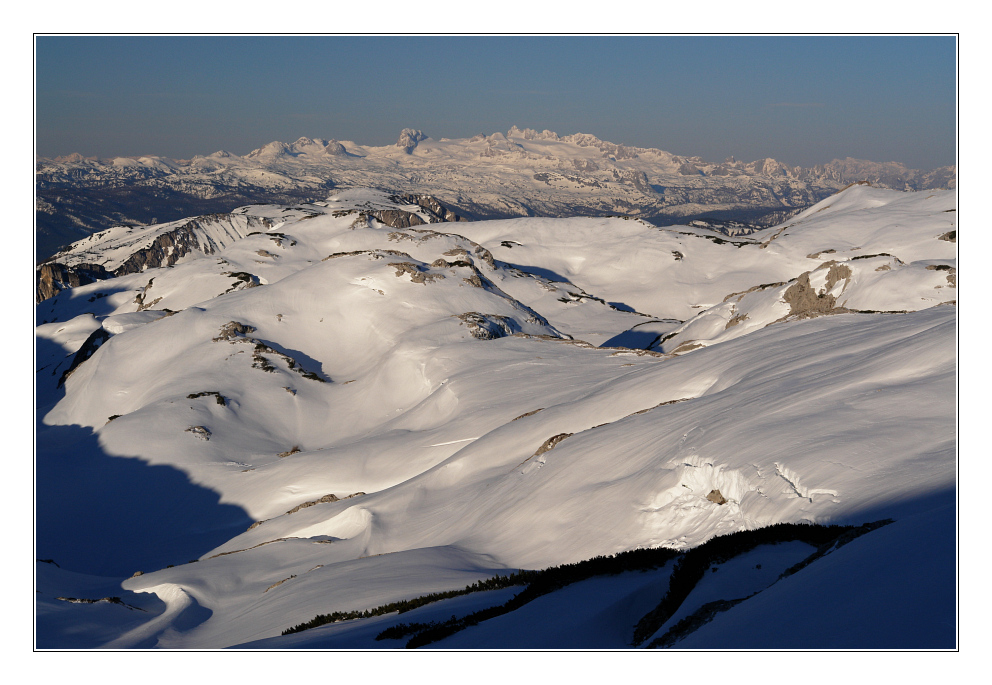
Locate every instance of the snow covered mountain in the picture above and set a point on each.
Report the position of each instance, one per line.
(520, 173)
(321, 415)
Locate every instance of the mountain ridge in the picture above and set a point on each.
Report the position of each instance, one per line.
(520, 173)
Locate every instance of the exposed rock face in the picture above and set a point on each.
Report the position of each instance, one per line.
(220, 399)
(430, 205)
(806, 303)
(550, 443)
(52, 278)
(409, 138)
(486, 326)
(636, 178)
(91, 344)
(278, 583)
(140, 297)
(837, 273)
(416, 272)
(167, 249)
(234, 329)
(530, 413)
(335, 148)
(323, 500)
(73, 208)
(716, 497)
(735, 320)
(397, 218)
(951, 272)
(201, 432)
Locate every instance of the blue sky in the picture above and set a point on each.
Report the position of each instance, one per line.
(801, 100)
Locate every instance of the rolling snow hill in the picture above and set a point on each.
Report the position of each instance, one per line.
(332, 407)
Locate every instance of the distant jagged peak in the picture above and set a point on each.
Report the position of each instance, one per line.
(74, 157)
(409, 137)
(305, 145)
(531, 134)
(497, 144)
(273, 149)
(769, 167)
(852, 165)
(335, 148)
(582, 139)
(617, 152)
(221, 154)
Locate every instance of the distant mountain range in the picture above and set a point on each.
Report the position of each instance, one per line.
(521, 173)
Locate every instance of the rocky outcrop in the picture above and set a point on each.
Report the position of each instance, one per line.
(397, 218)
(486, 326)
(550, 443)
(201, 432)
(400, 218)
(237, 332)
(234, 329)
(431, 206)
(716, 497)
(323, 500)
(951, 272)
(108, 600)
(806, 303)
(417, 273)
(86, 350)
(220, 399)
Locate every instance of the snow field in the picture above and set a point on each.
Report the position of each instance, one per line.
(463, 433)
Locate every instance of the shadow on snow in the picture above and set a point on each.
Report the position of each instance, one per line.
(112, 516)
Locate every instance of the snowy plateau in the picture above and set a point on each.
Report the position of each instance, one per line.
(361, 423)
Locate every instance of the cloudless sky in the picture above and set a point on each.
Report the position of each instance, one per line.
(799, 99)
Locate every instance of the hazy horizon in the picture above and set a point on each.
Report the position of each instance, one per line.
(800, 100)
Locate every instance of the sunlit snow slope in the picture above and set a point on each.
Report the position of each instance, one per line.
(330, 414)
